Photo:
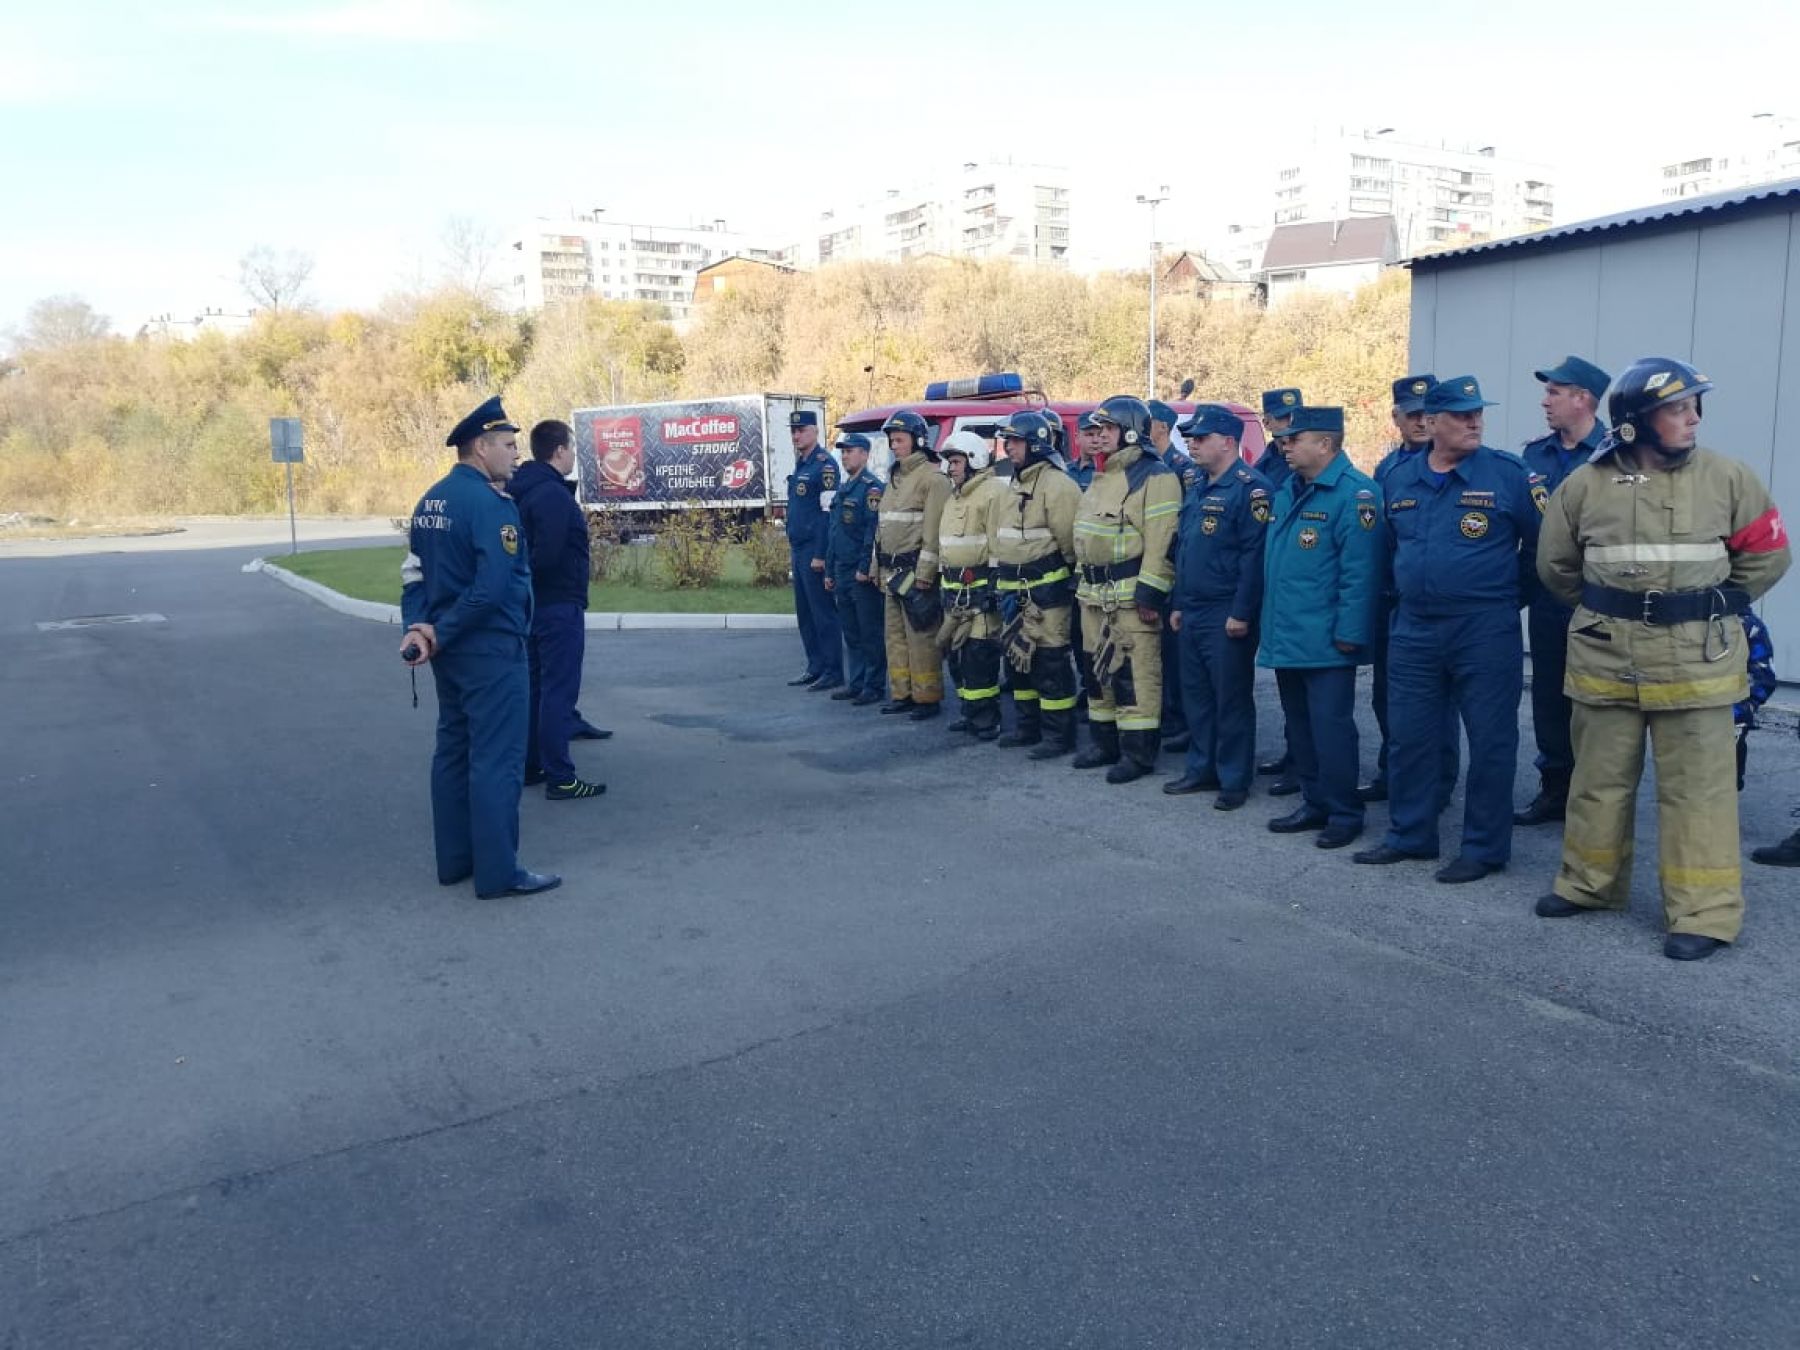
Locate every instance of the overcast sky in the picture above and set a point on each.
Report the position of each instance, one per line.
(143, 148)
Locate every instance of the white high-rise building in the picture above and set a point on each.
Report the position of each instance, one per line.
(1437, 194)
(982, 210)
(1766, 150)
(589, 254)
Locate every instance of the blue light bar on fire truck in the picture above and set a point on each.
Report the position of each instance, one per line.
(982, 386)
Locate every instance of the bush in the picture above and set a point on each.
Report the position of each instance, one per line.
(691, 547)
(604, 542)
(765, 546)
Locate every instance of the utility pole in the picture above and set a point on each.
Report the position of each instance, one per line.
(1144, 199)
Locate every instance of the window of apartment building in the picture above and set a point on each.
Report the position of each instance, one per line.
(1365, 163)
(1369, 185)
(1288, 175)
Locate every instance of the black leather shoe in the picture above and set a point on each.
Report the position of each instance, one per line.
(1285, 786)
(1542, 809)
(533, 777)
(1375, 790)
(1273, 766)
(1337, 836)
(1178, 745)
(1127, 770)
(899, 705)
(843, 695)
(456, 880)
(867, 697)
(1230, 801)
(1461, 869)
(574, 790)
(524, 883)
(1553, 906)
(808, 678)
(1691, 946)
(1190, 783)
(824, 683)
(1382, 855)
(587, 731)
(924, 712)
(1299, 822)
(1784, 854)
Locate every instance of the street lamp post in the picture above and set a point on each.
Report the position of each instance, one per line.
(1144, 199)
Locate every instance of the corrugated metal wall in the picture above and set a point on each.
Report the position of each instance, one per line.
(1725, 296)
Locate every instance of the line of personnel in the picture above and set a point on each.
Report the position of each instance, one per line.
(1635, 554)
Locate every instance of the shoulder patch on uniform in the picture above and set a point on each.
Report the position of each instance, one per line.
(1540, 496)
(874, 496)
(828, 478)
(509, 538)
(1260, 507)
(1365, 515)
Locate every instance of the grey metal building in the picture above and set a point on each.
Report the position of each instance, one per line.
(1712, 280)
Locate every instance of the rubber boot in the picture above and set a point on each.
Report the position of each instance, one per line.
(1139, 757)
(1028, 730)
(1059, 734)
(984, 718)
(1104, 750)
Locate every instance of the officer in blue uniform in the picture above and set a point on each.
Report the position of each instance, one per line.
(1217, 606)
(1415, 439)
(1162, 447)
(810, 485)
(1462, 531)
(850, 576)
(1081, 467)
(466, 601)
(1278, 408)
(1572, 394)
(1322, 573)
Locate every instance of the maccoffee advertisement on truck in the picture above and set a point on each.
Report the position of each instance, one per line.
(701, 453)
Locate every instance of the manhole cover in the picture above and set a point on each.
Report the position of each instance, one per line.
(97, 621)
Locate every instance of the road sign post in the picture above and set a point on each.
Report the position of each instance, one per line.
(286, 447)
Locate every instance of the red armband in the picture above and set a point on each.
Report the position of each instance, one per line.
(1765, 534)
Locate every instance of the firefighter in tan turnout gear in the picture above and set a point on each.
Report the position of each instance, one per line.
(970, 636)
(1661, 547)
(1032, 528)
(906, 556)
(1124, 533)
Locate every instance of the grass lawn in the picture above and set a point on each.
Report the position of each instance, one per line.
(374, 574)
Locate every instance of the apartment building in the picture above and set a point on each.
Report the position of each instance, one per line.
(981, 210)
(1439, 195)
(589, 253)
(1765, 149)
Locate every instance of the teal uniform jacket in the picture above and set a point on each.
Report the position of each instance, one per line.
(1322, 570)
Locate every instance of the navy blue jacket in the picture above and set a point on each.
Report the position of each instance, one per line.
(812, 478)
(1219, 544)
(555, 533)
(1466, 545)
(467, 573)
(1549, 464)
(1321, 570)
(851, 546)
(1394, 458)
(1273, 465)
(1180, 463)
(1082, 473)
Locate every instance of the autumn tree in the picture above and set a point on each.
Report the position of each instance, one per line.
(275, 281)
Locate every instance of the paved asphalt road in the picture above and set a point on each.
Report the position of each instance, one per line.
(837, 1036)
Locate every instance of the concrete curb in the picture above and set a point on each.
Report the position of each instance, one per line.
(596, 622)
(343, 604)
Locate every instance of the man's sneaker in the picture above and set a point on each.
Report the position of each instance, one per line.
(567, 792)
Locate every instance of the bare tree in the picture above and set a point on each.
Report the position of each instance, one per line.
(59, 320)
(275, 281)
(469, 247)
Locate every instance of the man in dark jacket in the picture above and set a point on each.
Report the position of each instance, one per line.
(556, 542)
